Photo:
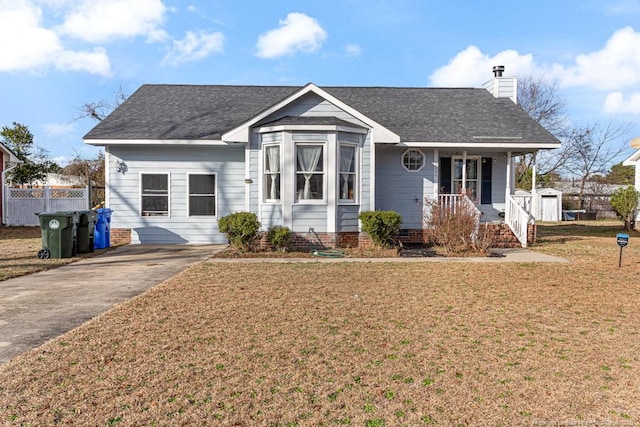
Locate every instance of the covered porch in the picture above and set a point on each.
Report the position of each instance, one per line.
(484, 184)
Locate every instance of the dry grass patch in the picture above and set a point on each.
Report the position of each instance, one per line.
(19, 248)
(355, 344)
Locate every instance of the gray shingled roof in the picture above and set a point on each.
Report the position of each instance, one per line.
(187, 112)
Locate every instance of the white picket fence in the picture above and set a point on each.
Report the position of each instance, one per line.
(21, 205)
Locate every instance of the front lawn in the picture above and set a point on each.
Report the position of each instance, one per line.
(364, 344)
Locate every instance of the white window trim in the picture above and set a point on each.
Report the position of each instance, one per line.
(215, 195)
(263, 177)
(168, 174)
(356, 173)
(325, 174)
(478, 179)
(424, 160)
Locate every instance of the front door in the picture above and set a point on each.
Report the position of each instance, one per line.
(478, 177)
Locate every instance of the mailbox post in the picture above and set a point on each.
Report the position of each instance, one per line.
(623, 240)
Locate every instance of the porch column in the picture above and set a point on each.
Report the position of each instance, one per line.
(507, 189)
(436, 173)
(534, 195)
(464, 172)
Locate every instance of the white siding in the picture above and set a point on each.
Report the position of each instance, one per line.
(348, 218)
(270, 215)
(309, 216)
(124, 194)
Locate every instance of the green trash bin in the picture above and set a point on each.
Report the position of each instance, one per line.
(58, 234)
(86, 229)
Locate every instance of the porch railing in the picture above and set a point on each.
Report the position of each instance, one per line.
(517, 218)
(455, 202)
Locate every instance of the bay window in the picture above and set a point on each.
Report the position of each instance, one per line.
(272, 172)
(347, 175)
(309, 172)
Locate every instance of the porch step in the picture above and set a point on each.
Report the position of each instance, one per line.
(504, 237)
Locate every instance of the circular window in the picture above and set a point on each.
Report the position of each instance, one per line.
(413, 159)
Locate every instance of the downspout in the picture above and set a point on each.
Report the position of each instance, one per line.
(4, 192)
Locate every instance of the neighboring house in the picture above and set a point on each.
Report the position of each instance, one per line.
(634, 160)
(178, 157)
(7, 160)
(596, 198)
(58, 180)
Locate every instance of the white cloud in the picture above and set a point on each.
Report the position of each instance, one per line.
(23, 42)
(352, 50)
(617, 104)
(104, 20)
(613, 67)
(59, 129)
(26, 45)
(471, 67)
(194, 47)
(94, 62)
(298, 32)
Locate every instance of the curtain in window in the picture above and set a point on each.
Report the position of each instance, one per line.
(346, 165)
(308, 159)
(273, 160)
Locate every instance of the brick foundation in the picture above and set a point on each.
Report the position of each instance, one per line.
(120, 236)
(502, 236)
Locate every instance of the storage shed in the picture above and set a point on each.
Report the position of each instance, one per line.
(548, 206)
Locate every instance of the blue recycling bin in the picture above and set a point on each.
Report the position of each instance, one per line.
(102, 235)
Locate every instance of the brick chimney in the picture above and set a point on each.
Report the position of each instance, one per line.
(502, 87)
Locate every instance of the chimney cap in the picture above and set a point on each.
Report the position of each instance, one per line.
(498, 70)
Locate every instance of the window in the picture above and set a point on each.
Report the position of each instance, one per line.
(347, 179)
(202, 195)
(471, 177)
(155, 194)
(272, 172)
(309, 172)
(413, 160)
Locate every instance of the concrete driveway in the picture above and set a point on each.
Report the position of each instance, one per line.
(41, 306)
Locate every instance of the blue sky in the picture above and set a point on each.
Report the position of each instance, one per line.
(56, 55)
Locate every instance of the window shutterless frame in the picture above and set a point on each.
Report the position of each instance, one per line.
(154, 194)
(347, 173)
(202, 194)
(272, 167)
(310, 173)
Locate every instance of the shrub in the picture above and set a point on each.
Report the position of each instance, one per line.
(242, 229)
(455, 228)
(381, 226)
(624, 201)
(279, 237)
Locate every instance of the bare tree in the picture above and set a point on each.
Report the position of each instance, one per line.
(539, 98)
(593, 149)
(101, 109)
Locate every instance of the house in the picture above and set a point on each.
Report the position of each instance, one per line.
(596, 198)
(8, 160)
(634, 160)
(178, 157)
